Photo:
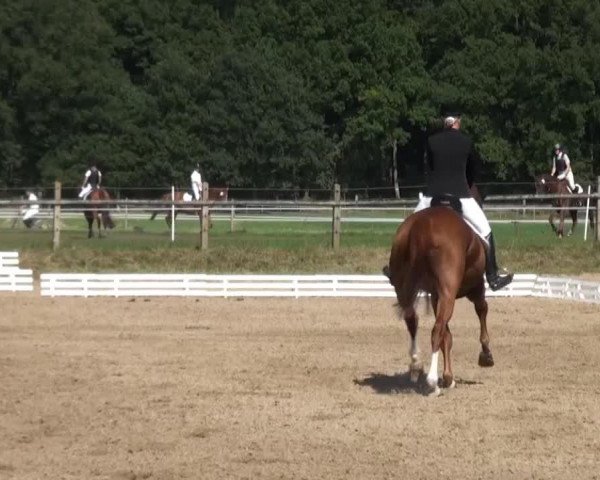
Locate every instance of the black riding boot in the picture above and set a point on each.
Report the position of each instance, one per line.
(494, 279)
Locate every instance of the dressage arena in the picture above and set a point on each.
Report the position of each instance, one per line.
(216, 388)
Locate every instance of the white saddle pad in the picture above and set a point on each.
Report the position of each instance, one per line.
(187, 197)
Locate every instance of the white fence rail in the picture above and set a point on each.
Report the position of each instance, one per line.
(13, 278)
(205, 285)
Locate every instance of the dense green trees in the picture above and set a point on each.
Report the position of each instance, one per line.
(291, 93)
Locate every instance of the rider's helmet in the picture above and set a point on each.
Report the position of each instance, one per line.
(558, 147)
(450, 116)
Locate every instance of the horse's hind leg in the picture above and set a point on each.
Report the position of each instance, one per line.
(443, 311)
(574, 220)
(90, 222)
(551, 222)
(447, 377)
(412, 324)
(481, 308)
(99, 224)
(561, 222)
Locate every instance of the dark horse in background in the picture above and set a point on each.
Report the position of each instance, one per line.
(98, 212)
(549, 184)
(214, 194)
(435, 251)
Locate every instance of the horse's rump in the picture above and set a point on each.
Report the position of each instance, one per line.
(435, 248)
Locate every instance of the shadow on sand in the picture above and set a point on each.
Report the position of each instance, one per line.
(401, 383)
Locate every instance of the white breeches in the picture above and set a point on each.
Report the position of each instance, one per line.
(571, 180)
(31, 212)
(85, 191)
(196, 189)
(472, 213)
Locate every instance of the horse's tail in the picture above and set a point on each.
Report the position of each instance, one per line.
(403, 268)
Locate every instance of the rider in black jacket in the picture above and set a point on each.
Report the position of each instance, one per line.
(453, 165)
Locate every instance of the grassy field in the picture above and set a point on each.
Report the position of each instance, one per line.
(273, 247)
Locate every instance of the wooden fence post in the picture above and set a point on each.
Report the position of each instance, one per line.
(204, 218)
(336, 226)
(56, 216)
(232, 223)
(172, 213)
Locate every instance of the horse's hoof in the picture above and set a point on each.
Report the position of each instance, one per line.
(434, 391)
(448, 382)
(416, 370)
(486, 359)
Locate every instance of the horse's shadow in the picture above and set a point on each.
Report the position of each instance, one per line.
(401, 383)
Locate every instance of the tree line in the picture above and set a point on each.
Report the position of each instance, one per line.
(292, 93)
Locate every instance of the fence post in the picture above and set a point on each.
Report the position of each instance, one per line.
(232, 226)
(204, 218)
(597, 211)
(336, 226)
(56, 216)
(587, 213)
(172, 213)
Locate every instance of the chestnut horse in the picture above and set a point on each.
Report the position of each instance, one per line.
(436, 252)
(549, 184)
(99, 213)
(214, 194)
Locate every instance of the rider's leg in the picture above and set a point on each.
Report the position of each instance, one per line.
(196, 191)
(571, 181)
(85, 191)
(474, 216)
(424, 202)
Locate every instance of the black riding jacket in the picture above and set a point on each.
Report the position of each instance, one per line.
(452, 162)
(94, 178)
(560, 163)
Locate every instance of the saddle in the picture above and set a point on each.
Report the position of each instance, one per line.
(447, 200)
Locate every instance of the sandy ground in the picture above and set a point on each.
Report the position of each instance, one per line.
(292, 389)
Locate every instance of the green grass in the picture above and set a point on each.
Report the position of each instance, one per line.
(272, 247)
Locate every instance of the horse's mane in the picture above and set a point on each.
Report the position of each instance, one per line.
(546, 177)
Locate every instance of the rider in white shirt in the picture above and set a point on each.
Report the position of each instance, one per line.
(91, 180)
(30, 212)
(561, 167)
(196, 179)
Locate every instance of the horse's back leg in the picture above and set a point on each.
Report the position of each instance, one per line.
(574, 220)
(477, 296)
(90, 222)
(99, 224)
(406, 295)
(561, 223)
(412, 324)
(441, 337)
(551, 222)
